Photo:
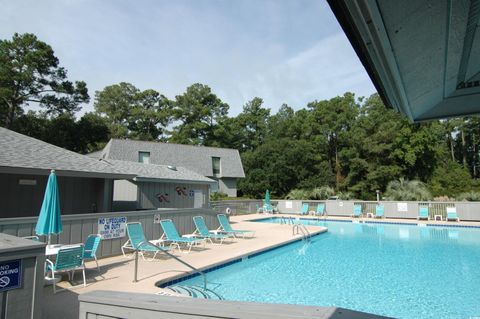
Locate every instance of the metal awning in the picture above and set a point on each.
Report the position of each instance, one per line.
(423, 56)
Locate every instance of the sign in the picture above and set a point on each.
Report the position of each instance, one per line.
(10, 275)
(402, 207)
(157, 218)
(288, 204)
(197, 198)
(112, 227)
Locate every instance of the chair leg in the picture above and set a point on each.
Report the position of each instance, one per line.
(54, 283)
(98, 268)
(84, 281)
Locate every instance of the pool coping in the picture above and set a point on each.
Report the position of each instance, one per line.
(233, 260)
(408, 223)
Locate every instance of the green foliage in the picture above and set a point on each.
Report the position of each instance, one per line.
(198, 110)
(449, 179)
(403, 189)
(298, 194)
(30, 73)
(132, 113)
(216, 196)
(88, 134)
(321, 193)
(469, 196)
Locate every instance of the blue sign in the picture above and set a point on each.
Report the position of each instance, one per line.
(10, 275)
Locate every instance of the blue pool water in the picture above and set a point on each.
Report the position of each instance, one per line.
(400, 271)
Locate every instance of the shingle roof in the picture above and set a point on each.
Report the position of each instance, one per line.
(27, 154)
(195, 158)
(158, 172)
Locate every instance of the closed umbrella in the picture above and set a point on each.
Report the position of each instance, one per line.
(49, 221)
(267, 198)
(267, 207)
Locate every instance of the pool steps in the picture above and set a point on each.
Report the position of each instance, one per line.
(191, 291)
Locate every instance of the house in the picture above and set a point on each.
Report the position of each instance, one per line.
(220, 164)
(89, 185)
(86, 184)
(159, 186)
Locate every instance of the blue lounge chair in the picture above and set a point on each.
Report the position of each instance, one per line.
(423, 213)
(171, 235)
(137, 241)
(203, 232)
(357, 211)
(304, 210)
(91, 246)
(67, 260)
(452, 214)
(225, 227)
(320, 210)
(379, 211)
(267, 208)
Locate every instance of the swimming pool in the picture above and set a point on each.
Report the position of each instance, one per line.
(403, 271)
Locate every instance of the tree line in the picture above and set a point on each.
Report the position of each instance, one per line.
(349, 144)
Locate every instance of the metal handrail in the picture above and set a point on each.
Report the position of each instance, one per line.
(301, 228)
(174, 257)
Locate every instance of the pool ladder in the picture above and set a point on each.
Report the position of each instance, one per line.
(300, 229)
(286, 220)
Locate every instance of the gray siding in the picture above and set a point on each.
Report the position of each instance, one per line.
(149, 193)
(124, 195)
(77, 195)
(228, 186)
(76, 228)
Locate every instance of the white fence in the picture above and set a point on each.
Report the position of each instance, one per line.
(467, 211)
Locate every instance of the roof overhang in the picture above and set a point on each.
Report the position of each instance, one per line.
(59, 172)
(166, 180)
(423, 56)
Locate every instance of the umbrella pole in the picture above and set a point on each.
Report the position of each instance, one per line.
(49, 239)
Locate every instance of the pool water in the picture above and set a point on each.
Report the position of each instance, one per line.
(401, 271)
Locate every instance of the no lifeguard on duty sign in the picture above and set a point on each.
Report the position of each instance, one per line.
(10, 275)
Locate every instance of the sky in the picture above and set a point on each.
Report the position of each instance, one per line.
(284, 51)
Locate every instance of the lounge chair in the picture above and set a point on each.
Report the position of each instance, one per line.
(452, 214)
(320, 210)
(226, 228)
(379, 211)
(203, 232)
(357, 211)
(423, 213)
(304, 210)
(91, 246)
(268, 208)
(137, 241)
(171, 235)
(67, 260)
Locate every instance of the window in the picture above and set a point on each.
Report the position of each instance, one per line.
(216, 165)
(144, 157)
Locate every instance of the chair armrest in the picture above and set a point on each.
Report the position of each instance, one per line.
(48, 261)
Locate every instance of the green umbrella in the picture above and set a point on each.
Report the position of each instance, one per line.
(49, 221)
(267, 198)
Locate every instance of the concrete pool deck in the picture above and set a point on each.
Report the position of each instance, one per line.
(116, 273)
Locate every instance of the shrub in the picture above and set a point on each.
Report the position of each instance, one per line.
(407, 190)
(298, 194)
(345, 195)
(217, 196)
(320, 193)
(471, 196)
